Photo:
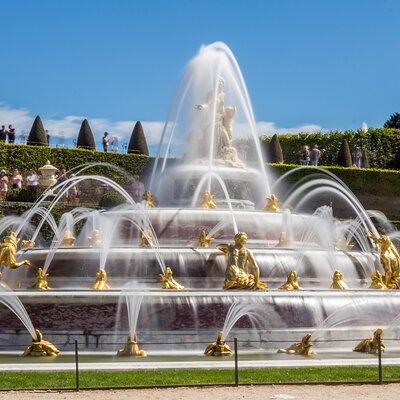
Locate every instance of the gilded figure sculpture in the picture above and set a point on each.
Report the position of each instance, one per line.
(146, 238)
(101, 282)
(149, 199)
(242, 272)
(292, 282)
(338, 282)
(41, 282)
(168, 282)
(94, 239)
(208, 200)
(131, 348)
(371, 345)
(41, 347)
(218, 348)
(283, 241)
(272, 204)
(303, 348)
(377, 281)
(27, 244)
(8, 252)
(204, 239)
(68, 240)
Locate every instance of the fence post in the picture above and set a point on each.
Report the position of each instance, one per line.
(235, 342)
(76, 366)
(380, 379)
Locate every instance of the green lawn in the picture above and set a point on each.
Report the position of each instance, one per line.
(47, 380)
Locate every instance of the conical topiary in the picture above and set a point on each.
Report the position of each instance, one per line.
(365, 158)
(274, 150)
(138, 142)
(37, 135)
(85, 136)
(344, 155)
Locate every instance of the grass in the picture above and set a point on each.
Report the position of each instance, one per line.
(63, 379)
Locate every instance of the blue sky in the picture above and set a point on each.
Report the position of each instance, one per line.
(334, 64)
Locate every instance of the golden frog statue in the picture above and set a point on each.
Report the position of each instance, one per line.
(40, 347)
(272, 204)
(149, 199)
(68, 240)
(242, 272)
(8, 252)
(377, 281)
(101, 282)
(168, 282)
(27, 244)
(389, 257)
(303, 348)
(208, 200)
(218, 348)
(338, 282)
(371, 345)
(146, 238)
(292, 282)
(204, 239)
(95, 238)
(131, 348)
(41, 280)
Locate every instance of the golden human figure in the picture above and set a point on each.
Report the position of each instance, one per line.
(272, 204)
(168, 282)
(8, 252)
(101, 282)
(94, 239)
(41, 347)
(338, 282)
(242, 272)
(292, 282)
(218, 348)
(41, 282)
(68, 240)
(146, 238)
(204, 239)
(371, 345)
(303, 348)
(149, 199)
(27, 244)
(131, 348)
(377, 281)
(208, 200)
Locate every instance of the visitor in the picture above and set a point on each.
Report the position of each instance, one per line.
(315, 155)
(48, 137)
(32, 181)
(3, 184)
(62, 176)
(137, 189)
(106, 140)
(3, 134)
(357, 157)
(11, 134)
(73, 195)
(304, 155)
(16, 179)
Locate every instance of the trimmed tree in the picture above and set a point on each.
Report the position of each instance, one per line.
(393, 121)
(37, 135)
(365, 158)
(85, 137)
(274, 150)
(138, 142)
(344, 156)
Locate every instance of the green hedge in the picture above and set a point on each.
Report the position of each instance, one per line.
(382, 145)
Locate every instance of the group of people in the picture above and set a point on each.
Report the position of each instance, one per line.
(7, 134)
(309, 156)
(109, 142)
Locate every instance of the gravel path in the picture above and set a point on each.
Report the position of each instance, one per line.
(317, 392)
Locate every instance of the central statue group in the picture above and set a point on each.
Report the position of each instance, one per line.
(242, 272)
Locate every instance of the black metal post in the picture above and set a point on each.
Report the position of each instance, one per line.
(76, 365)
(380, 379)
(235, 342)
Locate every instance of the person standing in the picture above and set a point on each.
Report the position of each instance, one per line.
(3, 184)
(357, 157)
(315, 155)
(3, 134)
(106, 140)
(11, 134)
(304, 155)
(16, 180)
(32, 181)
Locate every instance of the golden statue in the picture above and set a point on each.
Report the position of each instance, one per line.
(40, 347)
(342, 245)
(272, 204)
(204, 239)
(208, 200)
(389, 257)
(68, 240)
(41, 280)
(371, 345)
(292, 282)
(146, 238)
(27, 244)
(149, 199)
(242, 272)
(131, 348)
(101, 282)
(338, 282)
(303, 348)
(168, 282)
(218, 348)
(377, 281)
(94, 239)
(283, 241)
(8, 252)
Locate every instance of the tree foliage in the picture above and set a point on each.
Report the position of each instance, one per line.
(138, 142)
(344, 156)
(393, 121)
(37, 135)
(274, 150)
(85, 137)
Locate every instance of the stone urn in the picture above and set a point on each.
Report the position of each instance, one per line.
(48, 175)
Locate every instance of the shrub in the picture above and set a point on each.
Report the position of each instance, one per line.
(111, 199)
(138, 142)
(274, 150)
(344, 155)
(85, 136)
(37, 135)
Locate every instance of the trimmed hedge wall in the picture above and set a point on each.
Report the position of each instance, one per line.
(382, 145)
